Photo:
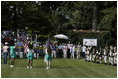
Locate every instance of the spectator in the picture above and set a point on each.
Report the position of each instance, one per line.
(83, 51)
(65, 48)
(78, 51)
(53, 47)
(105, 56)
(20, 48)
(5, 52)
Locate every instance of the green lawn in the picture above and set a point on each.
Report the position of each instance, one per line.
(60, 68)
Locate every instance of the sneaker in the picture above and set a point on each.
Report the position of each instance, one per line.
(27, 67)
(30, 67)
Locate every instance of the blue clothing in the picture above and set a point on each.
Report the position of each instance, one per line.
(83, 54)
(5, 57)
(54, 48)
(19, 44)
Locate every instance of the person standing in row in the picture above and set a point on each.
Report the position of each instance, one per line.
(72, 51)
(90, 52)
(105, 56)
(110, 54)
(53, 50)
(65, 48)
(115, 56)
(94, 55)
(83, 51)
(5, 52)
(97, 56)
(78, 51)
(111, 57)
(87, 53)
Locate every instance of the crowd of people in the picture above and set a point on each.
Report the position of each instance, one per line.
(88, 53)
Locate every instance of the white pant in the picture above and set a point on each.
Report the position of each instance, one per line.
(109, 59)
(112, 61)
(54, 53)
(93, 58)
(72, 55)
(100, 59)
(37, 55)
(64, 54)
(87, 57)
(105, 59)
(21, 54)
(90, 57)
(78, 53)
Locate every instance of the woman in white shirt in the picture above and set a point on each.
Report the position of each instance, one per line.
(5, 52)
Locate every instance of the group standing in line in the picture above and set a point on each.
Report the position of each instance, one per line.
(88, 53)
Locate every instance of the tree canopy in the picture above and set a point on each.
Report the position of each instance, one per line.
(52, 17)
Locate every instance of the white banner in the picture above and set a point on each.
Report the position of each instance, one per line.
(89, 42)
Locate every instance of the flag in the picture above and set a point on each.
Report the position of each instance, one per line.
(24, 39)
(48, 42)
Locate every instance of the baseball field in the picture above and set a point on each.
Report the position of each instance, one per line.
(60, 68)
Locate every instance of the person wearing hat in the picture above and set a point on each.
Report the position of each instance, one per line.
(5, 52)
(30, 57)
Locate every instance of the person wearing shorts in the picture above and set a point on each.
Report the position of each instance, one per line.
(48, 57)
(30, 58)
(12, 55)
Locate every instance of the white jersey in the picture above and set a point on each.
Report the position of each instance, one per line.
(87, 52)
(73, 49)
(105, 53)
(65, 47)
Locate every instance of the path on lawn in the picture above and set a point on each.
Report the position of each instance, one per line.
(60, 68)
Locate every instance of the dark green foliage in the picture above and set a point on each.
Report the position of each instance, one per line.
(54, 17)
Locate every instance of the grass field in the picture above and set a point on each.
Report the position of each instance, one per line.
(60, 68)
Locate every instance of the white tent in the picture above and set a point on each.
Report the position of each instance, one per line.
(61, 36)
